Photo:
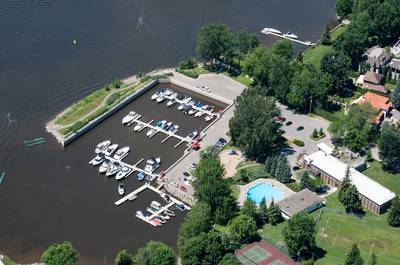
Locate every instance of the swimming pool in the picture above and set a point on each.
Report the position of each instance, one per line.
(264, 190)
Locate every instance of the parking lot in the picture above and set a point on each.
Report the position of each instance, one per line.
(292, 132)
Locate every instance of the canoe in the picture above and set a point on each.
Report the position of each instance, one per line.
(2, 176)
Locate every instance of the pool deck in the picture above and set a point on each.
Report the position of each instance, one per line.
(244, 188)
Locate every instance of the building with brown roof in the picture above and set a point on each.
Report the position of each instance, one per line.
(372, 81)
(302, 201)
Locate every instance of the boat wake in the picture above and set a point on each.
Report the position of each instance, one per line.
(141, 24)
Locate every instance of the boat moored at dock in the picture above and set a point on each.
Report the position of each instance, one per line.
(101, 147)
(122, 153)
(111, 149)
(128, 118)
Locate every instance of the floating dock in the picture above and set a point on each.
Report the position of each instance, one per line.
(285, 37)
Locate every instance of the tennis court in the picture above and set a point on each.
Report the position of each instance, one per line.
(254, 255)
(277, 262)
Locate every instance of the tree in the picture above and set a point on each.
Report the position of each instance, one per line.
(394, 213)
(304, 180)
(373, 260)
(351, 201)
(315, 133)
(355, 130)
(198, 220)
(279, 76)
(283, 172)
(213, 41)
(326, 37)
(283, 48)
(257, 63)
(344, 7)
(337, 66)
(395, 97)
(243, 227)
(274, 214)
(321, 131)
(246, 42)
(300, 57)
(229, 259)
(253, 128)
(123, 258)
(299, 235)
(389, 148)
(57, 254)
(354, 257)
(263, 211)
(250, 209)
(346, 183)
(209, 185)
(308, 85)
(226, 211)
(156, 253)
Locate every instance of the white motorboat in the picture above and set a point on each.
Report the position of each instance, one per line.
(181, 107)
(169, 212)
(192, 135)
(269, 30)
(290, 35)
(208, 118)
(153, 160)
(174, 128)
(160, 219)
(192, 103)
(150, 132)
(161, 98)
(104, 166)
(192, 111)
(138, 127)
(121, 189)
(122, 173)
(155, 96)
(128, 118)
(199, 114)
(113, 169)
(168, 92)
(102, 146)
(111, 149)
(171, 102)
(121, 153)
(186, 100)
(204, 107)
(307, 42)
(167, 126)
(98, 159)
(156, 205)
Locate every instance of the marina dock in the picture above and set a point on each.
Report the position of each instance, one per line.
(291, 39)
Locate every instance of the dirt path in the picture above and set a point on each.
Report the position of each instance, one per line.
(230, 162)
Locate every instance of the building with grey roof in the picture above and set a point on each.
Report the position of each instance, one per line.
(302, 201)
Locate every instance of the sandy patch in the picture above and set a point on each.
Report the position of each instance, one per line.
(230, 162)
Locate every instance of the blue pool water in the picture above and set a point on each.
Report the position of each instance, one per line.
(263, 190)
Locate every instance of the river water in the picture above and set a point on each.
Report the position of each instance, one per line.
(50, 194)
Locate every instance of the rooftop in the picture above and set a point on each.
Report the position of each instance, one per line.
(378, 102)
(395, 63)
(373, 77)
(336, 169)
(299, 202)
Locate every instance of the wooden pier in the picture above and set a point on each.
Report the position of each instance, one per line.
(284, 37)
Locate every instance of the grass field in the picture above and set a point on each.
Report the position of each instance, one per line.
(241, 79)
(314, 55)
(390, 181)
(337, 231)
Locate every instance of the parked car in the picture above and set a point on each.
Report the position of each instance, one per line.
(206, 89)
(186, 174)
(289, 123)
(193, 166)
(183, 188)
(300, 128)
(233, 152)
(295, 168)
(221, 142)
(174, 184)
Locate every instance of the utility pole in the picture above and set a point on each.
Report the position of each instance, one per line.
(309, 111)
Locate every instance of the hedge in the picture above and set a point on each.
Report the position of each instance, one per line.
(113, 98)
(298, 142)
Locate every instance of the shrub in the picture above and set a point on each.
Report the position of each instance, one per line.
(117, 83)
(113, 98)
(298, 142)
(189, 73)
(188, 64)
(140, 75)
(315, 133)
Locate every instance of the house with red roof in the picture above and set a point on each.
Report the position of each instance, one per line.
(378, 102)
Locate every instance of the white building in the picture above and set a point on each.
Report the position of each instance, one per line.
(395, 50)
(373, 195)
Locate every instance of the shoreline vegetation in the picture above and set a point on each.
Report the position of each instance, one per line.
(99, 102)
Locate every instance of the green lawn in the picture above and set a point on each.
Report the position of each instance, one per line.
(390, 181)
(242, 78)
(337, 231)
(314, 55)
